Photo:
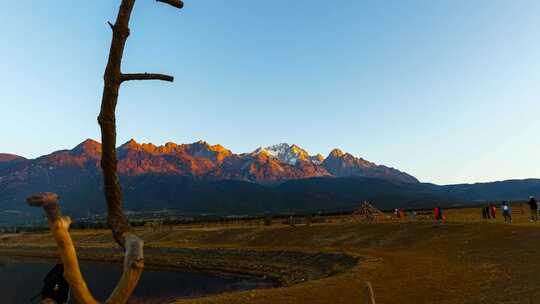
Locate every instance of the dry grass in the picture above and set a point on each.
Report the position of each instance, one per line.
(462, 261)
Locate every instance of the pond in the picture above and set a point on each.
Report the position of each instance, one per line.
(21, 279)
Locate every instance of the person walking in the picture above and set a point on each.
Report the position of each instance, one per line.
(487, 210)
(442, 216)
(533, 204)
(413, 216)
(439, 215)
(493, 210)
(507, 212)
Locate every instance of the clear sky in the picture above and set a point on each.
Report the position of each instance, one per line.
(445, 90)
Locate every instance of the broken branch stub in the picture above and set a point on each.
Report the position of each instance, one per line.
(48, 201)
(40, 199)
(175, 3)
(146, 76)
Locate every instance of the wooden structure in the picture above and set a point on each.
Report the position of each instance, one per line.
(367, 213)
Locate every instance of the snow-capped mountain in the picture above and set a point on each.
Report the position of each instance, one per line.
(290, 154)
(157, 171)
(197, 161)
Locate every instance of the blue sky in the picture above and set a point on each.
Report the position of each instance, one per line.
(445, 90)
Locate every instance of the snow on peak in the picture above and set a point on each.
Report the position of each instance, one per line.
(317, 159)
(289, 154)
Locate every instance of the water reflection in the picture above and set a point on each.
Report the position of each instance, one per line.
(20, 279)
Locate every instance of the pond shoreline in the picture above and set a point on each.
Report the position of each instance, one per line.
(21, 275)
(17, 256)
(282, 268)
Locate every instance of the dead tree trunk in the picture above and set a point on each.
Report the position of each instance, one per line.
(113, 79)
(118, 223)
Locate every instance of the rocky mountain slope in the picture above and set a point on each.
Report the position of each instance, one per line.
(203, 178)
(201, 161)
(9, 159)
(173, 171)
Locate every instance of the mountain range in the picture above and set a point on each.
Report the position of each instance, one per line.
(201, 161)
(203, 178)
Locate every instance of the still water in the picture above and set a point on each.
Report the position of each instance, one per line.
(21, 279)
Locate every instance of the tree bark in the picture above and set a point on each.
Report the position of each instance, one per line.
(113, 78)
(107, 121)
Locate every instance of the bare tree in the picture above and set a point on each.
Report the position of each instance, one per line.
(118, 223)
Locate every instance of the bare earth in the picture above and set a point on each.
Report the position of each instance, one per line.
(462, 261)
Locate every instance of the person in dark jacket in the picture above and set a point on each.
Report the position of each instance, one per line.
(533, 204)
(55, 287)
(507, 212)
(485, 213)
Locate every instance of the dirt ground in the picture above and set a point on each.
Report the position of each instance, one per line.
(462, 261)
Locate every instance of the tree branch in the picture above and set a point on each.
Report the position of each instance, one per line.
(175, 3)
(133, 268)
(59, 225)
(146, 76)
(369, 296)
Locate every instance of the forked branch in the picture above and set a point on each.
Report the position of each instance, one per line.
(59, 225)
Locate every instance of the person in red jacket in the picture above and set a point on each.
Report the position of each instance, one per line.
(436, 214)
(439, 215)
(493, 210)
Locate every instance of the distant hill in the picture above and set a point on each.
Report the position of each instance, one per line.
(7, 160)
(201, 178)
(390, 194)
